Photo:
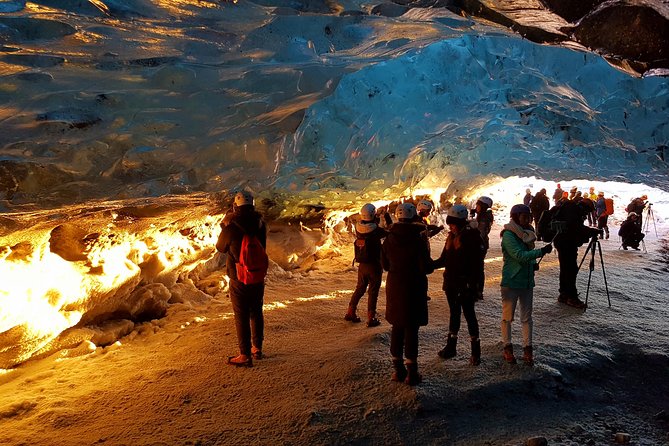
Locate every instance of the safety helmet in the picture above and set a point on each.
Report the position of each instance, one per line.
(368, 212)
(243, 198)
(405, 211)
(424, 205)
(644, 197)
(520, 209)
(486, 200)
(601, 194)
(457, 211)
(528, 191)
(573, 189)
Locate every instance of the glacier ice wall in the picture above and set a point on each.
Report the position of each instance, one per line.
(476, 105)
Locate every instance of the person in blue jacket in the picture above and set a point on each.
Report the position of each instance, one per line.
(517, 286)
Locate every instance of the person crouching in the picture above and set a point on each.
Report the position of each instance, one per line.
(630, 232)
(405, 255)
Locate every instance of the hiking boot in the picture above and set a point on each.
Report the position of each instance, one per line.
(372, 321)
(562, 298)
(413, 378)
(636, 248)
(240, 361)
(449, 351)
(528, 355)
(400, 372)
(475, 359)
(508, 354)
(256, 353)
(575, 302)
(350, 315)
(625, 247)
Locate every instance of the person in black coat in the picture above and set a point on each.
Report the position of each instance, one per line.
(538, 205)
(367, 248)
(630, 232)
(247, 300)
(405, 255)
(462, 258)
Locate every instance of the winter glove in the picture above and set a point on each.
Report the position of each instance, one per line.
(546, 249)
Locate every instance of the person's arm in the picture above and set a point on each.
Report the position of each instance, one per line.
(441, 261)
(515, 248)
(223, 242)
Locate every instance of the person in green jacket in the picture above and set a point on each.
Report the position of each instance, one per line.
(517, 284)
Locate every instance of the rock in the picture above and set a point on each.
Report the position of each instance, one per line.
(67, 241)
(536, 441)
(623, 438)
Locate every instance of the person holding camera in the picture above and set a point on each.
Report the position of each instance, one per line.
(517, 285)
(637, 206)
(568, 217)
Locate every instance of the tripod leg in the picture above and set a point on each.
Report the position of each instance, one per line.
(606, 284)
(585, 254)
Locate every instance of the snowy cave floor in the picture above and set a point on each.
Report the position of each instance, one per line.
(327, 381)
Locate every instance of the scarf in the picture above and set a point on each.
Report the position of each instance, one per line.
(526, 235)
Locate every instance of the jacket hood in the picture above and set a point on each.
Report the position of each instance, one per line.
(365, 227)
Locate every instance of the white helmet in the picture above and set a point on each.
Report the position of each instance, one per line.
(405, 211)
(368, 212)
(243, 198)
(457, 211)
(487, 201)
(424, 205)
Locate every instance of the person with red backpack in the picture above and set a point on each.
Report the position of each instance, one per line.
(367, 252)
(244, 239)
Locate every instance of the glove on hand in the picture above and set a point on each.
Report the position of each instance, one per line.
(546, 249)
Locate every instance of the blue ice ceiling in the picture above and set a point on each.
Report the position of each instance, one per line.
(142, 98)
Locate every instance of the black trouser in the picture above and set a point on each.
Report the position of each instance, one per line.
(247, 303)
(369, 274)
(602, 223)
(460, 301)
(404, 339)
(567, 254)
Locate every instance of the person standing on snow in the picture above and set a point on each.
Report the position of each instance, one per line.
(557, 195)
(462, 259)
(538, 205)
(405, 255)
(602, 215)
(367, 248)
(247, 299)
(517, 285)
(424, 208)
(484, 220)
(527, 199)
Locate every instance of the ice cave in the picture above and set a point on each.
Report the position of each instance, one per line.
(126, 127)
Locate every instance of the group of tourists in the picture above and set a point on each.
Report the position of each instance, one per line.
(403, 250)
(401, 247)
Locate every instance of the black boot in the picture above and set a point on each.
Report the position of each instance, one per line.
(475, 359)
(449, 351)
(413, 377)
(350, 314)
(400, 372)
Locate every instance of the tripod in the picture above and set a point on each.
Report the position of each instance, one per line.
(592, 246)
(649, 216)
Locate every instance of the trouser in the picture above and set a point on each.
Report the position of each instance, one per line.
(369, 275)
(247, 301)
(511, 297)
(461, 302)
(404, 340)
(602, 223)
(567, 254)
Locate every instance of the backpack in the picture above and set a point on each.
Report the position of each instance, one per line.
(360, 250)
(609, 206)
(253, 262)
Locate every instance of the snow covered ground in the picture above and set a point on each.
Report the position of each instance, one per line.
(327, 381)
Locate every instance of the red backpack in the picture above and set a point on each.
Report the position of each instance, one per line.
(253, 262)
